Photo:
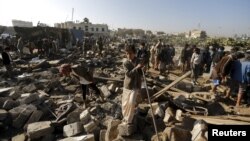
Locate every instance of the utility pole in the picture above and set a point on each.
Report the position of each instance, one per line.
(72, 14)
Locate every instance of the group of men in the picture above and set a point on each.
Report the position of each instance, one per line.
(229, 69)
(162, 56)
(233, 71)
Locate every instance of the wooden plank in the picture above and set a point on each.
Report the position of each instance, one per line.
(58, 96)
(223, 120)
(6, 89)
(174, 77)
(108, 79)
(156, 95)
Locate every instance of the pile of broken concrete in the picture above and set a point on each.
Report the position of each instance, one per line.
(38, 104)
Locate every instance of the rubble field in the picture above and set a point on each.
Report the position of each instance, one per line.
(38, 104)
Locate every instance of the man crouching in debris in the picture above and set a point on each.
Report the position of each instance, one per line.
(85, 78)
(132, 84)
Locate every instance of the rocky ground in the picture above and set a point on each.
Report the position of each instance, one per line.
(38, 104)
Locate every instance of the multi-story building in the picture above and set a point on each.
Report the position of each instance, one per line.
(96, 29)
(196, 34)
(20, 23)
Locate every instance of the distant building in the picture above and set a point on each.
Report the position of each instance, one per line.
(20, 23)
(86, 26)
(196, 34)
(160, 33)
(130, 32)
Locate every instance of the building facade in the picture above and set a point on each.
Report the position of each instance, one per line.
(196, 34)
(87, 27)
(20, 23)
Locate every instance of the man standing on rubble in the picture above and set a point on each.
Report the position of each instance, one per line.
(172, 54)
(195, 65)
(222, 70)
(157, 49)
(183, 58)
(132, 83)
(20, 46)
(240, 76)
(85, 77)
(100, 45)
(7, 61)
(142, 53)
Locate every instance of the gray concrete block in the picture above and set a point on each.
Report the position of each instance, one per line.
(177, 134)
(169, 115)
(35, 117)
(85, 117)
(3, 114)
(39, 129)
(72, 129)
(112, 87)
(126, 129)
(178, 115)
(14, 95)
(29, 98)
(112, 131)
(23, 116)
(10, 104)
(199, 129)
(30, 88)
(73, 117)
(102, 135)
(90, 127)
(105, 91)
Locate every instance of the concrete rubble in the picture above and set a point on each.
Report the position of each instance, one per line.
(39, 129)
(40, 105)
(72, 129)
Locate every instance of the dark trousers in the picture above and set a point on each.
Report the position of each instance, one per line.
(85, 90)
(195, 71)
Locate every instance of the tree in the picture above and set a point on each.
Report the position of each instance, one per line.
(230, 42)
(160, 33)
(149, 32)
(203, 35)
(86, 20)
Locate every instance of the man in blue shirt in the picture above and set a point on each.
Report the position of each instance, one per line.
(241, 74)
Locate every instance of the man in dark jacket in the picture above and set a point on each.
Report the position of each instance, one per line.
(223, 69)
(143, 54)
(132, 84)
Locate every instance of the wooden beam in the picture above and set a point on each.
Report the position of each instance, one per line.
(156, 95)
(174, 77)
(155, 82)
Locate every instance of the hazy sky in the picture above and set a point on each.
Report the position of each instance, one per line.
(217, 17)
